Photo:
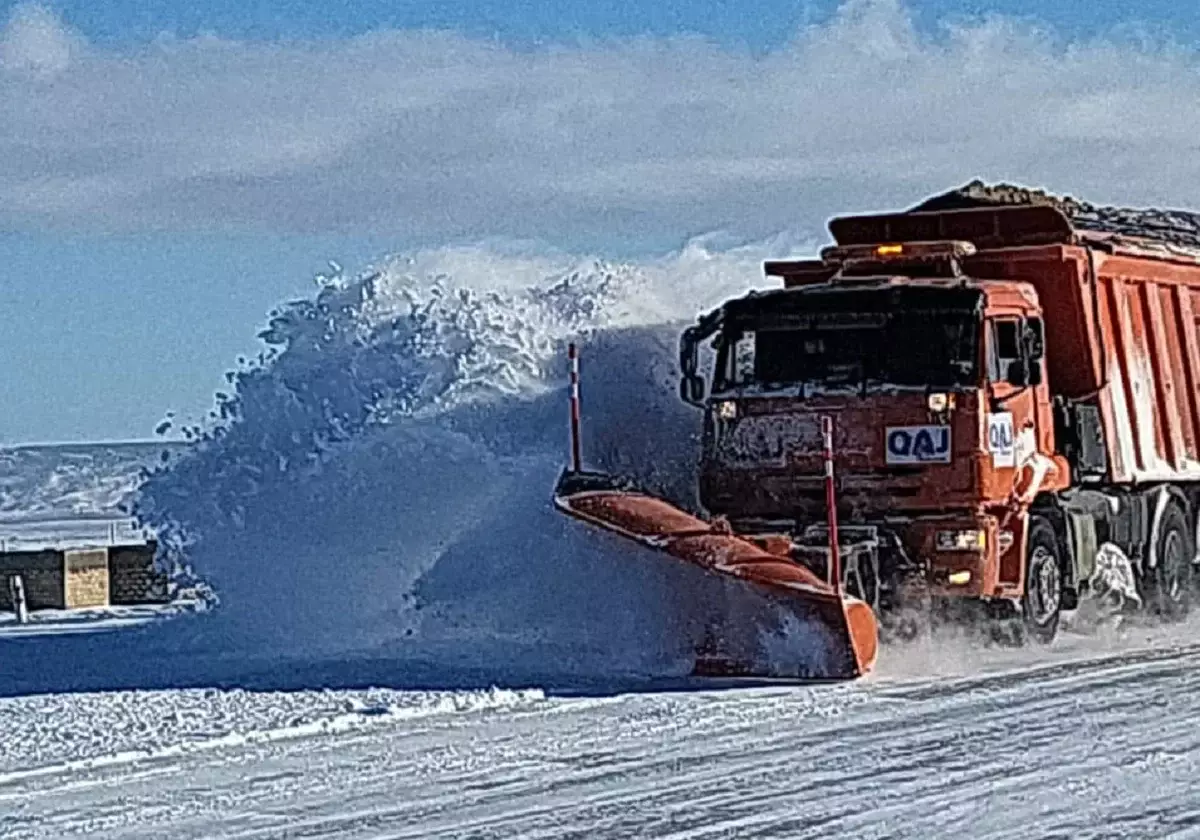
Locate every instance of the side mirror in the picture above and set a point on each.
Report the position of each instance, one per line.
(1035, 339)
(1017, 373)
(691, 389)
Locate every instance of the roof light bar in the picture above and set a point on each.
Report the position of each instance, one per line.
(948, 249)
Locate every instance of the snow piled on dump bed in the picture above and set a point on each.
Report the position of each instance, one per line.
(1175, 229)
(383, 480)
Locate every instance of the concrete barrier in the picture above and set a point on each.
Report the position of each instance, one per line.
(133, 577)
(84, 577)
(42, 573)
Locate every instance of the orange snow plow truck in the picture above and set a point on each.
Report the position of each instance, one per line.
(988, 404)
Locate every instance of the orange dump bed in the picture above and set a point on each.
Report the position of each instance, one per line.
(1121, 331)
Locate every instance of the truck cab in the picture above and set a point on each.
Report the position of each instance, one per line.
(943, 421)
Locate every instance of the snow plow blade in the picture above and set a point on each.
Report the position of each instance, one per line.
(605, 502)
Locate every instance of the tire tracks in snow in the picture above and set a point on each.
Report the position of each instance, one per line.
(1079, 748)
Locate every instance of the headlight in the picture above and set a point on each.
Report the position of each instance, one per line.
(964, 540)
(727, 410)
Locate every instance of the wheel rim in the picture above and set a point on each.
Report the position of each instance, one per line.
(1045, 595)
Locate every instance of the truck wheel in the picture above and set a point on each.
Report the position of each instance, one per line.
(1041, 607)
(1169, 583)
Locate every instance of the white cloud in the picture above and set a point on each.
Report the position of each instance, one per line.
(35, 42)
(434, 136)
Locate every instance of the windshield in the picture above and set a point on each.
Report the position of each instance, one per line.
(911, 348)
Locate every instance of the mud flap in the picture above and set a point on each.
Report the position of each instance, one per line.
(820, 633)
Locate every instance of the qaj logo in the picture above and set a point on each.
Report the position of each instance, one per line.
(918, 444)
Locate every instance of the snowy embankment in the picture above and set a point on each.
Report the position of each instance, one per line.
(58, 495)
(84, 486)
(1098, 747)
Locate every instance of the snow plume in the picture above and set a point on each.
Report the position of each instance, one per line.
(382, 476)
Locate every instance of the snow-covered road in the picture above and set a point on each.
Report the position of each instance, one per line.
(1103, 746)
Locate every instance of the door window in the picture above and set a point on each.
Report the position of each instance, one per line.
(1004, 347)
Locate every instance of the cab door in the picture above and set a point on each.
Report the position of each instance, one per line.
(1014, 421)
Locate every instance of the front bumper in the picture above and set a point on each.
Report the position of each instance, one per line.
(958, 556)
(954, 557)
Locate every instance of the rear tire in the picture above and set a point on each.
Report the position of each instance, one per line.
(1041, 606)
(1169, 583)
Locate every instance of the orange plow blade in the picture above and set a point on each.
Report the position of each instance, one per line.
(849, 624)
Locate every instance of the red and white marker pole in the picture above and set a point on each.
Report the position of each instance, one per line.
(835, 564)
(576, 446)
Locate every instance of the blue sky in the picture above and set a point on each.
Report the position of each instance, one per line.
(766, 22)
(161, 190)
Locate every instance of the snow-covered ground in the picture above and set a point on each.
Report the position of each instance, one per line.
(91, 620)
(1104, 746)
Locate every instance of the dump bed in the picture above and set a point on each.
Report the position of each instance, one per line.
(1122, 316)
(1121, 330)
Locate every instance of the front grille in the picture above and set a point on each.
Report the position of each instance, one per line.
(859, 494)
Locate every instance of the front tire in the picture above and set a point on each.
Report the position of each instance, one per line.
(1041, 606)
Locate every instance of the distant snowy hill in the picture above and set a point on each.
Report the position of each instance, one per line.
(74, 481)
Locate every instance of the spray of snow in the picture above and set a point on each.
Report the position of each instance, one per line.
(1113, 579)
(381, 477)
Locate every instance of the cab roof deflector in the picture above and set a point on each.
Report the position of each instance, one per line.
(986, 228)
